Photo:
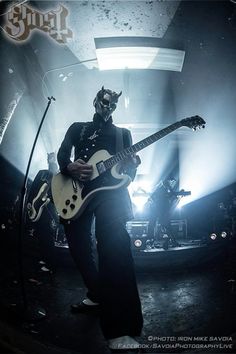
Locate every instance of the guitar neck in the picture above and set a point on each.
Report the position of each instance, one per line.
(122, 155)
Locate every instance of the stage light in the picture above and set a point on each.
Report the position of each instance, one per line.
(140, 57)
(213, 236)
(126, 102)
(142, 187)
(223, 234)
(138, 243)
(139, 201)
(139, 194)
(206, 175)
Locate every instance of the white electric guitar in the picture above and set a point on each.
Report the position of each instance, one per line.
(71, 196)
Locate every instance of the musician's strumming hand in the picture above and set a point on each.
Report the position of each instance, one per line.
(80, 170)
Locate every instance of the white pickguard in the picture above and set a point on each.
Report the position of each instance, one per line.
(67, 193)
(41, 200)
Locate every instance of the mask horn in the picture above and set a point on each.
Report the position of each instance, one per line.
(119, 94)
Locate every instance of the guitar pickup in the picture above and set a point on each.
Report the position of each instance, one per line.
(101, 167)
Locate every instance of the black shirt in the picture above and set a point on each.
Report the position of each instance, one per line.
(87, 138)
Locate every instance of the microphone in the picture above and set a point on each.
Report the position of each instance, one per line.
(51, 98)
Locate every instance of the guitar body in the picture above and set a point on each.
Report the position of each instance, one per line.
(38, 197)
(38, 204)
(71, 196)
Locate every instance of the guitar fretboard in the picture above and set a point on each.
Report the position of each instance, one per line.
(112, 161)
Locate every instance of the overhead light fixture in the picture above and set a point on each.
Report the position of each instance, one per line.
(126, 102)
(115, 53)
(140, 58)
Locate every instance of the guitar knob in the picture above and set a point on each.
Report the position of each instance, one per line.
(74, 197)
(67, 202)
(64, 211)
(72, 206)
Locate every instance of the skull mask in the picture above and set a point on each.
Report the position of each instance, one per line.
(105, 103)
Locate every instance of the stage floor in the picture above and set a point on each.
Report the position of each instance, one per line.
(184, 307)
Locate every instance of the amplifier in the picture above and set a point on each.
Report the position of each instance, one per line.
(137, 228)
(179, 228)
(138, 234)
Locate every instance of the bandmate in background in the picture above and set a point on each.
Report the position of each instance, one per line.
(161, 204)
(43, 218)
(111, 286)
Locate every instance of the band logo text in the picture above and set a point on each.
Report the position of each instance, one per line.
(23, 19)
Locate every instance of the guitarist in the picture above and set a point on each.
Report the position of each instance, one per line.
(112, 288)
(42, 213)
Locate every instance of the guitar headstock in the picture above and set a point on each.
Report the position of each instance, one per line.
(194, 122)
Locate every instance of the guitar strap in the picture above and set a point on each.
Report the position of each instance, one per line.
(84, 128)
(119, 139)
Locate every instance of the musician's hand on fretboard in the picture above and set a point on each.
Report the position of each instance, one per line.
(130, 165)
(132, 162)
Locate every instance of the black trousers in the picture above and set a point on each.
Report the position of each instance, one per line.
(113, 282)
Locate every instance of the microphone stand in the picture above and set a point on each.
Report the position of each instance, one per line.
(27, 312)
